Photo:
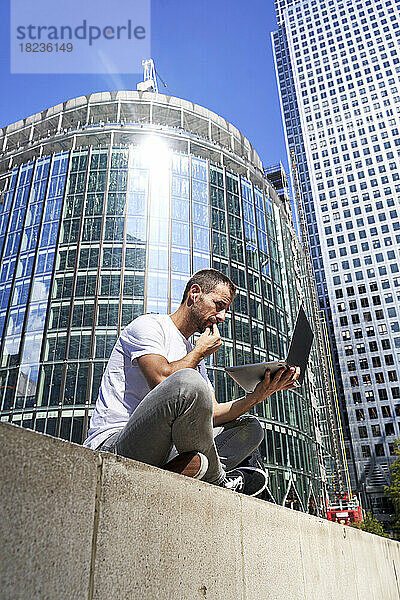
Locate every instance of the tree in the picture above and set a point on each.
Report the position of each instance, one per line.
(393, 490)
(371, 525)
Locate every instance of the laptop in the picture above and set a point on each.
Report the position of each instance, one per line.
(248, 376)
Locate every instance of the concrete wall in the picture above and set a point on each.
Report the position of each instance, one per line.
(77, 524)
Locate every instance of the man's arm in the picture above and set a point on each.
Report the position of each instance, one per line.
(156, 368)
(284, 379)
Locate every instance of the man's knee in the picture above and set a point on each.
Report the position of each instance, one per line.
(192, 386)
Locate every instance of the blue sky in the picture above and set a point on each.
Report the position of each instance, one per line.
(216, 53)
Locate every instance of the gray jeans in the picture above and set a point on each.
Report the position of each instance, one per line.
(178, 413)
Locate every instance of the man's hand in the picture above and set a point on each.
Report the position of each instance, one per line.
(284, 379)
(209, 341)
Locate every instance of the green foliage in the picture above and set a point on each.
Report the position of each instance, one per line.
(393, 490)
(371, 525)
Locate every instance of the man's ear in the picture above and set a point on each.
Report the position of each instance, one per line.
(193, 294)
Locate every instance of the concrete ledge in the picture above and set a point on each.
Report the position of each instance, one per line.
(47, 501)
(170, 537)
(84, 525)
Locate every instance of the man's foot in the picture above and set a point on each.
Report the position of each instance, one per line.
(191, 464)
(246, 480)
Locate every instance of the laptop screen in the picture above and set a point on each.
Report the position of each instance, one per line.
(300, 346)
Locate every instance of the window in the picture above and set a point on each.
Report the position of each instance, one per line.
(389, 360)
(366, 451)
(379, 378)
(379, 450)
(354, 381)
(386, 412)
(362, 432)
(376, 361)
(376, 430)
(372, 412)
(369, 396)
(360, 414)
(389, 428)
(357, 399)
(392, 375)
(383, 395)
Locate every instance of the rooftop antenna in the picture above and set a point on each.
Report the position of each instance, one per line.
(149, 83)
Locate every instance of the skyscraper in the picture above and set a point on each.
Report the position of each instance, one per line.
(338, 65)
(108, 204)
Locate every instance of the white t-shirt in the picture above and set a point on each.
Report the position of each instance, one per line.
(123, 385)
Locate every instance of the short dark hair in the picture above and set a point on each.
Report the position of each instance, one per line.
(207, 280)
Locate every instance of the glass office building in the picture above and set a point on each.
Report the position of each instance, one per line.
(338, 68)
(108, 204)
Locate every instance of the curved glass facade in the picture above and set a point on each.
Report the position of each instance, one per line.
(108, 204)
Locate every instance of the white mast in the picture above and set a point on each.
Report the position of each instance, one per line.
(149, 83)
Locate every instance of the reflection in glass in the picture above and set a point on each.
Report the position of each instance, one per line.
(159, 161)
(25, 261)
(11, 242)
(36, 313)
(135, 229)
(5, 205)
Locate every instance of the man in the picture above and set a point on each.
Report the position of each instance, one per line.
(157, 405)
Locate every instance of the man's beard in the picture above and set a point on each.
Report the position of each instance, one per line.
(202, 328)
(199, 322)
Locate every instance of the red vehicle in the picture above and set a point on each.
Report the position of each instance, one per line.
(344, 510)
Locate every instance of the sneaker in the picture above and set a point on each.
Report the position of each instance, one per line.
(246, 480)
(191, 464)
